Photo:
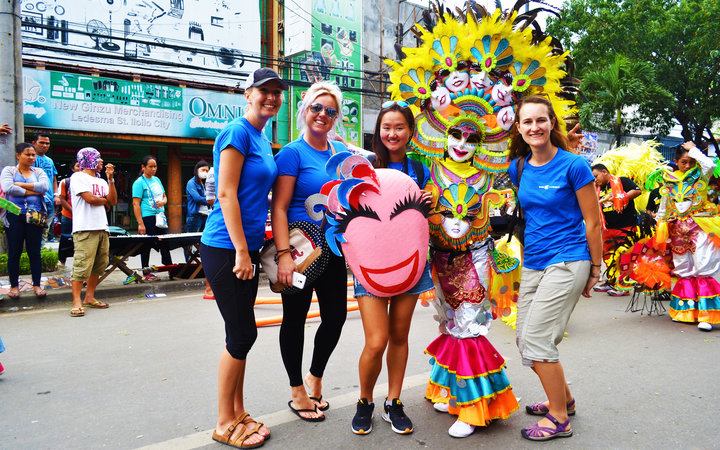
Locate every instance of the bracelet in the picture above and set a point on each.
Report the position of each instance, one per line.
(595, 265)
(111, 181)
(280, 252)
(594, 276)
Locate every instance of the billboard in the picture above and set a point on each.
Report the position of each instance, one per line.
(71, 101)
(336, 56)
(182, 37)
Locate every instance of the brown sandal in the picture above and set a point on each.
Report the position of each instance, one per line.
(244, 434)
(246, 419)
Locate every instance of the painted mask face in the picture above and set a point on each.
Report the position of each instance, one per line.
(502, 94)
(455, 227)
(506, 117)
(462, 143)
(457, 81)
(481, 80)
(440, 98)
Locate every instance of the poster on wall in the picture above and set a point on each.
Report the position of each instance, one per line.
(336, 56)
(70, 101)
(184, 37)
(588, 147)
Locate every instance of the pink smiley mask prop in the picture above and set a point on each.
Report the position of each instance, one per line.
(380, 221)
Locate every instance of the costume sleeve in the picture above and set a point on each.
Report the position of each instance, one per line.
(706, 163)
(288, 161)
(210, 185)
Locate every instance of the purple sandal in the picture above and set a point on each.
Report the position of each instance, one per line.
(538, 409)
(537, 433)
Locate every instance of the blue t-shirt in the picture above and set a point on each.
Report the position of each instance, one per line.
(47, 164)
(258, 175)
(411, 171)
(307, 165)
(27, 201)
(554, 226)
(141, 189)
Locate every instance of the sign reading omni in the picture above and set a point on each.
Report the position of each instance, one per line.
(199, 107)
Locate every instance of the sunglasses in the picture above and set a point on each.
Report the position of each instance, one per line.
(331, 112)
(470, 138)
(400, 103)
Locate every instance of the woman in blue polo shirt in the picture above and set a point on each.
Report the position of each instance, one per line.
(244, 172)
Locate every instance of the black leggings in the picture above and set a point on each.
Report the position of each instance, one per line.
(331, 289)
(152, 230)
(235, 298)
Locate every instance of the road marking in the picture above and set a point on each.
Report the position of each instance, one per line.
(204, 438)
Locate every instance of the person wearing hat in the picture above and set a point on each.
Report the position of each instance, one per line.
(91, 195)
(230, 247)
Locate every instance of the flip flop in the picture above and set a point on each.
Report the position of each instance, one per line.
(77, 312)
(14, 295)
(307, 419)
(208, 297)
(42, 293)
(320, 400)
(96, 304)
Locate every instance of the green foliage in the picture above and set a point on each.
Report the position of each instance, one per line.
(49, 262)
(612, 91)
(677, 38)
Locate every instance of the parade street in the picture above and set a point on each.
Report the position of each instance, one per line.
(143, 374)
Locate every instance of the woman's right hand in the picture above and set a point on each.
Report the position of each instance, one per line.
(286, 267)
(141, 228)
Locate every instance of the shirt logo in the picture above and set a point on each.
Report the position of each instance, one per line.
(547, 186)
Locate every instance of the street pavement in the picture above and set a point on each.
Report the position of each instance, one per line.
(143, 374)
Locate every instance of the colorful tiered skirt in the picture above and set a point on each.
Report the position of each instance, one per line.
(468, 374)
(696, 299)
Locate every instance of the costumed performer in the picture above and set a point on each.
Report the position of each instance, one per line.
(691, 224)
(466, 78)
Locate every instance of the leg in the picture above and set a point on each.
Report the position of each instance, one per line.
(85, 250)
(149, 223)
(101, 242)
(33, 244)
(401, 312)
(165, 257)
(552, 377)
(292, 339)
(331, 289)
(15, 237)
(374, 315)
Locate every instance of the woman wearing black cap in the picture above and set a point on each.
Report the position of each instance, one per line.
(245, 171)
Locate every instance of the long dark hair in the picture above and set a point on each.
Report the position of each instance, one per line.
(518, 146)
(382, 156)
(201, 163)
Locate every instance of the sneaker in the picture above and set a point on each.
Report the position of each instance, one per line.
(602, 287)
(394, 414)
(362, 422)
(616, 293)
(130, 279)
(2, 369)
(704, 326)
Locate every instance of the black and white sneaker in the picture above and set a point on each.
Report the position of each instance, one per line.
(362, 422)
(602, 287)
(399, 422)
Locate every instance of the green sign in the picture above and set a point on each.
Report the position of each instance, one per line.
(336, 56)
(114, 91)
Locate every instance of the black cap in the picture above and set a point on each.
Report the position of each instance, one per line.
(262, 76)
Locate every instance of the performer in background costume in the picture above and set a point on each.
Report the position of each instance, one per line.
(464, 80)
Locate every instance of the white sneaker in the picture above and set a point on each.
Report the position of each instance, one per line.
(461, 429)
(704, 326)
(442, 407)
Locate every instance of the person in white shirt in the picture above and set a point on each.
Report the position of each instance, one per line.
(91, 196)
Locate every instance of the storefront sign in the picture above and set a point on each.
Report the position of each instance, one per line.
(85, 103)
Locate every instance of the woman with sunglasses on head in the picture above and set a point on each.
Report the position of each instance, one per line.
(301, 173)
(230, 248)
(562, 255)
(386, 321)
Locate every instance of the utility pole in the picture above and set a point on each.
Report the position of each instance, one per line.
(11, 93)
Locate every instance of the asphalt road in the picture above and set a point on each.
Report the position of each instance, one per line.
(143, 373)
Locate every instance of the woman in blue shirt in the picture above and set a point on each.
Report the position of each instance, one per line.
(301, 173)
(149, 199)
(25, 186)
(562, 255)
(230, 246)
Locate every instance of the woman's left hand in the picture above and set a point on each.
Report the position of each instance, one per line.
(592, 280)
(243, 265)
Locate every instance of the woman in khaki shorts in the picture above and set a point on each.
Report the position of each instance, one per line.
(563, 250)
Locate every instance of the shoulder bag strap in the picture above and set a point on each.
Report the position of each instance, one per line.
(517, 215)
(150, 194)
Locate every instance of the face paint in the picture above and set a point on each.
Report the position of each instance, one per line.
(481, 81)
(506, 117)
(457, 81)
(454, 227)
(502, 94)
(462, 143)
(440, 98)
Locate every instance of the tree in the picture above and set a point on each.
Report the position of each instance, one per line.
(622, 89)
(677, 37)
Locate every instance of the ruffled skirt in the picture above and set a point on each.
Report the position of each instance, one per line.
(696, 299)
(468, 375)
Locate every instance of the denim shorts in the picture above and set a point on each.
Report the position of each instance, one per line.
(425, 284)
